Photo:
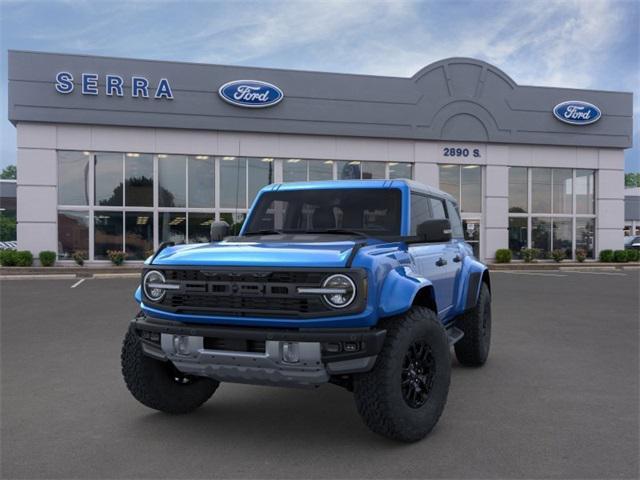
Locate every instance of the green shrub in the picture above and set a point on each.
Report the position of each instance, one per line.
(581, 254)
(47, 258)
(8, 258)
(503, 255)
(606, 256)
(529, 254)
(558, 255)
(24, 258)
(80, 256)
(620, 256)
(116, 256)
(633, 255)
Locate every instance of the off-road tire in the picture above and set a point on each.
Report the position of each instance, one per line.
(153, 382)
(473, 349)
(379, 393)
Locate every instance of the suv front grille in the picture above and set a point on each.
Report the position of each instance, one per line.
(240, 292)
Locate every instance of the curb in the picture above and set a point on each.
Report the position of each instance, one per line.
(563, 266)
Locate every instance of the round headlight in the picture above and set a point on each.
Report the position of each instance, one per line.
(343, 290)
(151, 278)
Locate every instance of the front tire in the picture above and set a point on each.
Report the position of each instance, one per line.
(159, 385)
(404, 394)
(472, 349)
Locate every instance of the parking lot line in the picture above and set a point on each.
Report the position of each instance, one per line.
(537, 274)
(78, 283)
(597, 273)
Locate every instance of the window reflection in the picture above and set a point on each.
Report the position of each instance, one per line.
(199, 227)
(373, 170)
(201, 181)
(108, 179)
(562, 235)
(585, 191)
(518, 190)
(541, 235)
(562, 190)
(320, 170)
(108, 233)
(172, 180)
(517, 235)
(400, 170)
(294, 170)
(235, 221)
(260, 175)
(139, 235)
(73, 178)
(73, 233)
(172, 227)
(450, 180)
(471, 195)
(138, 169)
(541, 190)
(585, 235)
(233, 182)
(349, 170)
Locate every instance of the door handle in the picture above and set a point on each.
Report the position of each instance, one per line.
(441, 262)
(457, 258)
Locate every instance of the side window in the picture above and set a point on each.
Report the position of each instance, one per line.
(454, 218)
(419, 211)
(437, 207)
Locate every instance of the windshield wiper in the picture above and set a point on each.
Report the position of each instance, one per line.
(339, 231)
(263, 232)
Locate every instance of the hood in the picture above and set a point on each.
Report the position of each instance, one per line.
(267, 254)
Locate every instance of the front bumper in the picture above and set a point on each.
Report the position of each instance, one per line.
(257, 355)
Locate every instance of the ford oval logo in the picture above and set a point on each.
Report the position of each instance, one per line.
(576, 112)
(250, 93)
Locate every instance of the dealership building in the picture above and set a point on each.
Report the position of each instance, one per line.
(123, 154)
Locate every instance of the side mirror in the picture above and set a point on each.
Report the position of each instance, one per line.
(219, 230)
(434, 231)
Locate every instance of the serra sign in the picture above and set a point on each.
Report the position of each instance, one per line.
(113, 85)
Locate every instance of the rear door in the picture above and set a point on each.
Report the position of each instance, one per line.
(434, 261)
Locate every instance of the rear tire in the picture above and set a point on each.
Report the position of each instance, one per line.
(159, 385)
(473, 349)
(404, 394)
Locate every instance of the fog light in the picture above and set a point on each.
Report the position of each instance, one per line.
(291, 352)
(181, 344)
(351, 347)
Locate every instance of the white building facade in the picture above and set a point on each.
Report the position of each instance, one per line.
(114, 171)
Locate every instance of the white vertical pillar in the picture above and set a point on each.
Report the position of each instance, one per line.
(36, 191)
(496, 209)
(610, 200)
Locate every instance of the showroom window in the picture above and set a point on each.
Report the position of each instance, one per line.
(300, 170)
(551, 209)
(133, 201)
(464, 183)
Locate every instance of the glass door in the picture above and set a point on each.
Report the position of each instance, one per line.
(471, 227)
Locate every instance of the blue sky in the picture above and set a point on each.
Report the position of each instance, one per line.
(568, 43)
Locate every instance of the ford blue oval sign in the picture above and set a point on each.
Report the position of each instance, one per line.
(250, 93)
(576, 112)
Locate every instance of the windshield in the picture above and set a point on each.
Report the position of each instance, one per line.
(374, 212)
(630, 240)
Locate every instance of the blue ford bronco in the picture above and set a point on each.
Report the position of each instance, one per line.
(364, 284)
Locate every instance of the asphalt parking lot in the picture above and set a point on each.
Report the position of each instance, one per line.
(557, 399)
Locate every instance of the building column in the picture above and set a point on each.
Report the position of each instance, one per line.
(495, 210)
(610, 200)
(37, 188)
